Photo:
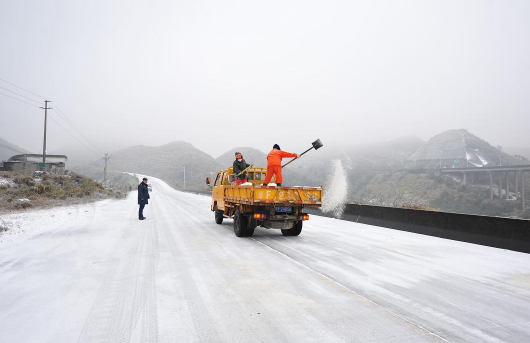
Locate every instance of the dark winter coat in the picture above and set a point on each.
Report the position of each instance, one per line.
(143, 194)
(239, 167)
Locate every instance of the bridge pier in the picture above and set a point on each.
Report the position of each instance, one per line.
(507, 186)
(491, 185)
(522, 191)
(500, 186)
(496, 176)
(516, 184)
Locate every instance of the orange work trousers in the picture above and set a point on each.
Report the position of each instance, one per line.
(274, 170)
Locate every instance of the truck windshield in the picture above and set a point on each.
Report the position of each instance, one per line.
(217, 179)
(225, 179)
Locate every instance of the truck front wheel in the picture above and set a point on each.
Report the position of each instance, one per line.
(295, 231)
(240, 224)
(218, 215)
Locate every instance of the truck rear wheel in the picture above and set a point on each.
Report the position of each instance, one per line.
(252, 224)
(218, 215)
(240, 224)
(295, 231)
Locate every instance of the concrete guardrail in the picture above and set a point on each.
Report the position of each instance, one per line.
(503, 233)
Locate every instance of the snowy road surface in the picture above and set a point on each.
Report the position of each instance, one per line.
(95, 273)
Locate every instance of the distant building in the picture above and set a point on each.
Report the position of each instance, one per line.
(27, 164)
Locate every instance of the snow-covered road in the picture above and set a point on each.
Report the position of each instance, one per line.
(95, 273)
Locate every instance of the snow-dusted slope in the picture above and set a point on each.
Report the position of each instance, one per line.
(95, 273)
(7, 150)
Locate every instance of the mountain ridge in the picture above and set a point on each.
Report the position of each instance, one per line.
(8, 149)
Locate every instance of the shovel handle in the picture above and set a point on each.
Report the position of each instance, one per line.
(297, 157)
(250, 166)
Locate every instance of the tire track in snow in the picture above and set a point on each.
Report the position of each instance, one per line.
(119, 299)
(202, 324)
(144, 282)
(279, 330)
(191, 207)
(427, 331)
(107, 309)
(150, 319)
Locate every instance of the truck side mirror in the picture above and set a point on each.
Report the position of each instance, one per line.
(208, 180)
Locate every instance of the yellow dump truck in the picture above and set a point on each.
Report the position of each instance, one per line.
(251, 205)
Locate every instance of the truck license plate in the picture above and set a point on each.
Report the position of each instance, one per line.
(284, 209)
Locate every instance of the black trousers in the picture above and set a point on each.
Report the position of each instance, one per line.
(141, 211)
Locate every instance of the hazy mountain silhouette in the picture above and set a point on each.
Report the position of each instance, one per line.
(251, 155)
(7, 150)
(168, 162)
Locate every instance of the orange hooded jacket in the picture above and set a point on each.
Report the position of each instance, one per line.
(274, 158)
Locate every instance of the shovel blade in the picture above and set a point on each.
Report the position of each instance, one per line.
(317, 144)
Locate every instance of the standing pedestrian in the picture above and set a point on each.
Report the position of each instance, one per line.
(143, 196)
(239, 167)
(274, 164)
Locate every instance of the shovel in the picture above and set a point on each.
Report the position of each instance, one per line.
(235, 176)
(316, 144)
(250, 166)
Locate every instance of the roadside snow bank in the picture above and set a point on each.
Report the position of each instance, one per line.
(7, 182)
(21, 225)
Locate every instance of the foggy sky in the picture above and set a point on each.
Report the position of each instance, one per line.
(221, 74)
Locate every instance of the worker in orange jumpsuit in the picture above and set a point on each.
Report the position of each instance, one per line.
(274, 164)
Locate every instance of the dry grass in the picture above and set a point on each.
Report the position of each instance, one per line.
(51, 190)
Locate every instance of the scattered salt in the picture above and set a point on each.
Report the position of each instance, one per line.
(336, 191)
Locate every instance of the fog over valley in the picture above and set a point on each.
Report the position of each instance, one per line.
(219, 75)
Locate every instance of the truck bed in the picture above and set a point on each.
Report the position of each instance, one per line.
(286, 196)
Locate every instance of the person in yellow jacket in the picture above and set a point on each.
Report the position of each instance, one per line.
(274, 164)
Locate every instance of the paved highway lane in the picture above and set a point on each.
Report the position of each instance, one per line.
(104, 276)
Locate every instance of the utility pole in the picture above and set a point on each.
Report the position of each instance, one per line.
(45, 108)
(106, 158)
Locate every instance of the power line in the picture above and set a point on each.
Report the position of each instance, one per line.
(74, 136)
(69, 122)
(21, 95)
(12, 84)
(76, 129)
(58, 111)
(19, 100)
